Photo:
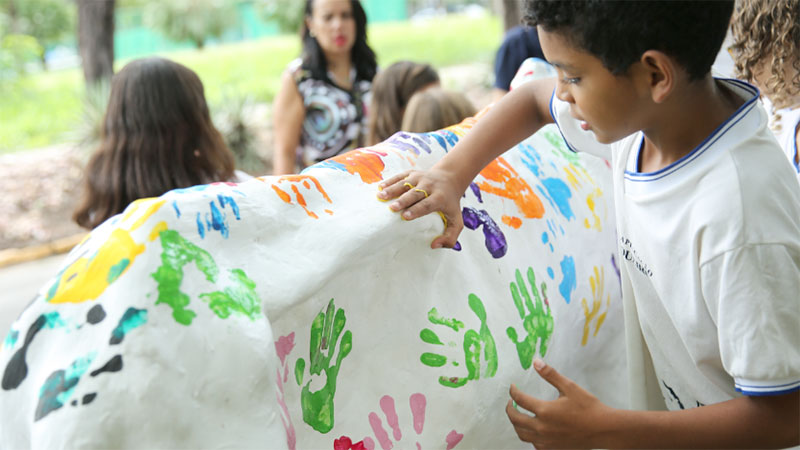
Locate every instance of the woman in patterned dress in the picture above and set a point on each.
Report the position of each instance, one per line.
(320, 109)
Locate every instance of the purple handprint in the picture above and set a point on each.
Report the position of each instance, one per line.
(495, 239)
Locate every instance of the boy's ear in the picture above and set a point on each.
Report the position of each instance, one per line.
(660, 72)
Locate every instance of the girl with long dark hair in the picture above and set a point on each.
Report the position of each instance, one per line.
(157, 136)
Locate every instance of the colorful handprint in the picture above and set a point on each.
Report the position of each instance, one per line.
(597, 281)
(417, 403)
(537, 321)
(325, 330)
(473, 343)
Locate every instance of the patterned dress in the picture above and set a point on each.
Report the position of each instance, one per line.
(336, 118)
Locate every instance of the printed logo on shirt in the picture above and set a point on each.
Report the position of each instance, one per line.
(673, 401)
(630, 255)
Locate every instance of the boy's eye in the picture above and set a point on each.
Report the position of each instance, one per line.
(573, 80)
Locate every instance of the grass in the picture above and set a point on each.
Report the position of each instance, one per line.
(44, 109)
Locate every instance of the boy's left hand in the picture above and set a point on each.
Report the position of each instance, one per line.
(575, 420)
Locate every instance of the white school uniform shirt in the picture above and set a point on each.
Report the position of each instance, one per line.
(710, 262)
(784, 125)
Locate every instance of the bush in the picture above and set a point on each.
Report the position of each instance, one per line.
(17, 52)
(288, 14)
(235, 120)
(193, 20)
(90, 128)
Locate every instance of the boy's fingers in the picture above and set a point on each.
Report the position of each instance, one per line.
(392, 180)
(524, 425)
(408, 199)
(394, 190)
(560, 382)
(453, 226)
(397, 185)
(523, 400)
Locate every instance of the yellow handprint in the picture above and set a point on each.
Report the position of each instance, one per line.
(597, 281)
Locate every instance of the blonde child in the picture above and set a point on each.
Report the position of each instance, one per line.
(392, 88)
(766, 51)
(434, 109)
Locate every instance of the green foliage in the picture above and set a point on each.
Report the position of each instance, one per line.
(48, 21)
(193, 20)
(46, 105)
(288, 14)
(39, 109)
(16, 52)
(90, 128)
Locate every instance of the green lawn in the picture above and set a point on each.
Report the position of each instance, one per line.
(45, 108)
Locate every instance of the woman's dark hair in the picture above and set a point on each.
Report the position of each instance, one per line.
(392, 88)
(157, 136)
(361, 55)
(619, 32)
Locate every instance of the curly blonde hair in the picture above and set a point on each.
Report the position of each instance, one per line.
(766, 34)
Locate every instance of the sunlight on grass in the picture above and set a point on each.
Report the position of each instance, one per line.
(43, 108)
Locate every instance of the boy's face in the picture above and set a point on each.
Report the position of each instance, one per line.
(611, 106)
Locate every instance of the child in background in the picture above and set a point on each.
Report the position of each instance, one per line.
(708, 218)
(392, 88)
(434, 109)
(157, 136)
(766, 50)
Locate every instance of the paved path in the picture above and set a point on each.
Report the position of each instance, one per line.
(20, 283)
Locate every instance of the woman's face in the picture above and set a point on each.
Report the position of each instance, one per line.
(333, 25)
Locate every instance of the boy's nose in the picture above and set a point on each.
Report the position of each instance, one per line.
(562, 93)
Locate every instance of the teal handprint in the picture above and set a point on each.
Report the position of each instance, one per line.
(325, 330)
(538, 321)
(474, 341)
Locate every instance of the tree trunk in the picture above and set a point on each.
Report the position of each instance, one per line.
(510, 11)
(96, 39)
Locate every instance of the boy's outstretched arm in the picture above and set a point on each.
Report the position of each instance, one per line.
(516, 116)
(577, 419)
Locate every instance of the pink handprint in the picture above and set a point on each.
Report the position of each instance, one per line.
(417, 403)
(284, 345)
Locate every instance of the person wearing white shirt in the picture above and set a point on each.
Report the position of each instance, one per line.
(708, 218)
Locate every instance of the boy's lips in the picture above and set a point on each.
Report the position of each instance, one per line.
(585, 125)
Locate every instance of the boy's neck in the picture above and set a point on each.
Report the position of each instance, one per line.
(685, 120)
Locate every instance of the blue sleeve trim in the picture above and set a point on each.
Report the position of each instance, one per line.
(767, 393)
(758, 391)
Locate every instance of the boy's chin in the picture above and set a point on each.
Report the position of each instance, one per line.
(604, 138)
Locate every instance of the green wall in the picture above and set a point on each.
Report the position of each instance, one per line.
(132, 38)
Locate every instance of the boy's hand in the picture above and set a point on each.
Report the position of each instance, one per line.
(574, 420)
(421, 193)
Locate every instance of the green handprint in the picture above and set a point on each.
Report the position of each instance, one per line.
(325, 330)
(538, 322)
(473, 340)
(238, 296)
(560, 145)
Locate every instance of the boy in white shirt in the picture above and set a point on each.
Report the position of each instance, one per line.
(708, 218)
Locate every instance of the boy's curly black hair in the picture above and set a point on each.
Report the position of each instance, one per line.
(619, 32)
